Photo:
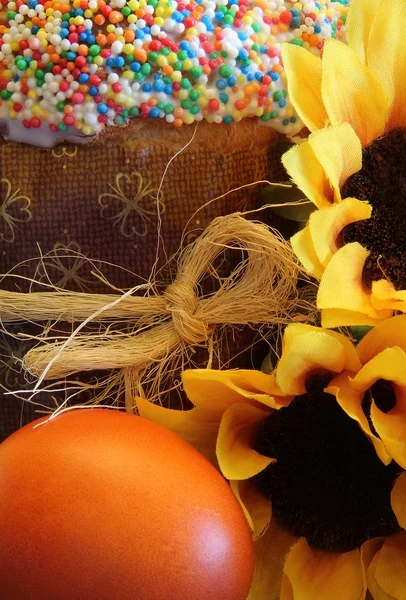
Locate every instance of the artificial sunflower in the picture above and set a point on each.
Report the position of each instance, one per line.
(353, 165)
(316, 454)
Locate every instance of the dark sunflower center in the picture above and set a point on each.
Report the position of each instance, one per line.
(383, 394)
(327, 483)
(382, 183)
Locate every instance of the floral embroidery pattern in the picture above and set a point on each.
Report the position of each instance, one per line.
(14, 209)
(61, 151)
(132, 203)
(65, 267)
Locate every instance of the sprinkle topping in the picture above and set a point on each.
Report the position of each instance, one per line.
(83, 64)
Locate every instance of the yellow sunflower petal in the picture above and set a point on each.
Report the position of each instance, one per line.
(321, 166)
(391, 427)
(351, 93)
(326, 225)
(390, 364)
(307, 349)
(339, 151)
(303, 247)
(359, 23)
(335, 317)
(386, 575)
(236, 457)
(228, 387)
(341, 287)
(308, 174)
(303, 71)
(391, 332)
(317, 574)
(235, 486)
(350, 401)
(256, 507)
(198, 426)
(315, 244)
(369, 549)
(270, 551)
(398, 499)
(384, 296)
(386, 57)
(293, 330)
(286, 589)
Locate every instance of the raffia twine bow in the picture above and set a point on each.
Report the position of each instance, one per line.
(261, 290)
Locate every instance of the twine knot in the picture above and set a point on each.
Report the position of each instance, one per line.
(261, 290)
(182, 303)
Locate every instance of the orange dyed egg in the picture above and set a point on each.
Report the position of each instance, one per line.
(102, 505)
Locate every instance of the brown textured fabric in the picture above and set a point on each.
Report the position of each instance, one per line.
(100, 200)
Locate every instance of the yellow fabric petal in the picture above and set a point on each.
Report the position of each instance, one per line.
(286, 589)
(303, 247)
(293, 330)
(391, 332)
(335, 317)
(228, 387)
(359, 23)
(391, 427)
(350, 401)
(341, 287)
(198, 426)
(386, 57)
(303, 71)
(317, 574)
(321, 166)
(308, 174)
(339, 151)
(384, 296)
(326, 225)
(390, 364)
(256, 507)
(386, 575)
(398, 499)
(368, 551)
(270, 551)
(351, 93)
(307, 349)
(235, 454)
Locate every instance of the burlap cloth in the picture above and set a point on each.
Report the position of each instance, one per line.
(99, 201)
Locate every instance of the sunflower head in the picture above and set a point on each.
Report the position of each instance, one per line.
(315, 453)
(352, 166)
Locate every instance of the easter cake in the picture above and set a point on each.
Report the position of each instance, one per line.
(137, 100)
(129, 125)
(69, 68)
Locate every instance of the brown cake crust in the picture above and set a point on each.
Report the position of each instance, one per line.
(248, 134)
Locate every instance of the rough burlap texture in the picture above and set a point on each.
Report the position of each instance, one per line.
(100, 201)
